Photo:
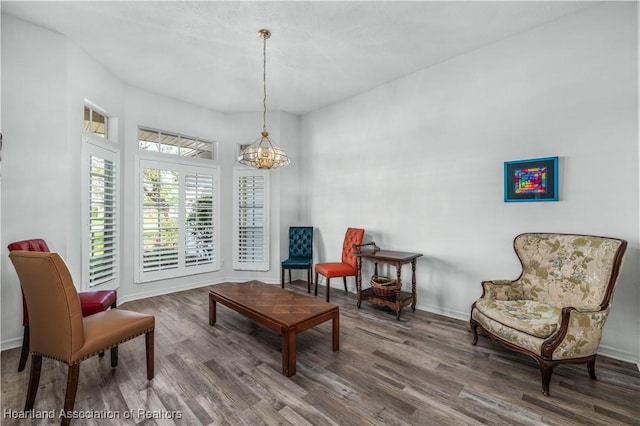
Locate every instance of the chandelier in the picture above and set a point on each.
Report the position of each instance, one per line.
(263, 153)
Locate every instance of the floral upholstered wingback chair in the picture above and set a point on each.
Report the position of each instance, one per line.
(556, 310)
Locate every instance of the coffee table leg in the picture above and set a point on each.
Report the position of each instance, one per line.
(289, 352)
(336, 331)
(212, 310)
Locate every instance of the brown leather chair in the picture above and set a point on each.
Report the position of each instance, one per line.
(347, 267)
(58, 329)
(91, 302)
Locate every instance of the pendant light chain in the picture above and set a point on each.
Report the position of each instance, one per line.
(264, 83)
(263, 153)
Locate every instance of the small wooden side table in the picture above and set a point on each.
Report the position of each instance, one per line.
(398, 300)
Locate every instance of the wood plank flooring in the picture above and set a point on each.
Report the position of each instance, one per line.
(421, 370)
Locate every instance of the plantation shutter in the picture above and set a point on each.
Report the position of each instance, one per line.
(100, 213)
(200, 208)
(160, 220)
(178, 214)
(103, 236)
(251, 220)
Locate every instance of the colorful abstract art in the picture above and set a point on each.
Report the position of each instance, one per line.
(531, 180)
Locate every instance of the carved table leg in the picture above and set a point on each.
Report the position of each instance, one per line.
(399, 278)
(413, 285)
(335, 337)
(359, 282)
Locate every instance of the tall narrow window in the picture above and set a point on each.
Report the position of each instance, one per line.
(160, 219)
(250, 231)
(178, 232)
(200, 208)
(102, 220)
(101, 232)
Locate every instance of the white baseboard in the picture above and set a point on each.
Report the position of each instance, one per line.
(16, 342)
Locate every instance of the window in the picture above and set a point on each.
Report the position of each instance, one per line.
(240, 149)
(250, 227)
(100, 211)
(178, 214)
(95, 122)
(175, 144)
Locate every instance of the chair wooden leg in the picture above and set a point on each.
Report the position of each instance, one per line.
(114, 356)
(150, 359)
(281, 277)
(70, 396)
(345, 284)
(474, 330)
(316, 289)
(24, 353)
(328, 288)
(289, 276)
(546, 369)
(34, 381)
(591, 366)
(309, 280)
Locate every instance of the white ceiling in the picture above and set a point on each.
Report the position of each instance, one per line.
(208, 53)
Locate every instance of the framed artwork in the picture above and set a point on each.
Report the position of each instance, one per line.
(531, 180)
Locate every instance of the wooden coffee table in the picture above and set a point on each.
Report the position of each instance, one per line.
(283, 311)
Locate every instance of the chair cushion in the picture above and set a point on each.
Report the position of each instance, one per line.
(528, 316)
(335, 269)
(93, 302)
(109, 328)
(36, 244)
(296, 263)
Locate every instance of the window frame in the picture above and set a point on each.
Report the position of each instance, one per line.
(238, 264)
(107, 121)
(180, 136)
(95, 145)
(182, 165)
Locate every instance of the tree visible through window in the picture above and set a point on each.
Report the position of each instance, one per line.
(178, 232)
(160, 221)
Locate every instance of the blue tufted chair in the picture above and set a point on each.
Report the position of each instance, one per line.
(300, 253)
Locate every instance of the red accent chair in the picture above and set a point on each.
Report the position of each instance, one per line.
(91, 302)
(347, 267)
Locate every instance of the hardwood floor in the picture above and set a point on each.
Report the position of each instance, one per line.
(421, 370)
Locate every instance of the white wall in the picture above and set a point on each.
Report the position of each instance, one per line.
(34, 102)
(45, 81)
(88, 81)
(418, 162)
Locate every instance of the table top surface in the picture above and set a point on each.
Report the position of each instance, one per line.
(284, 306)
(390, 255)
